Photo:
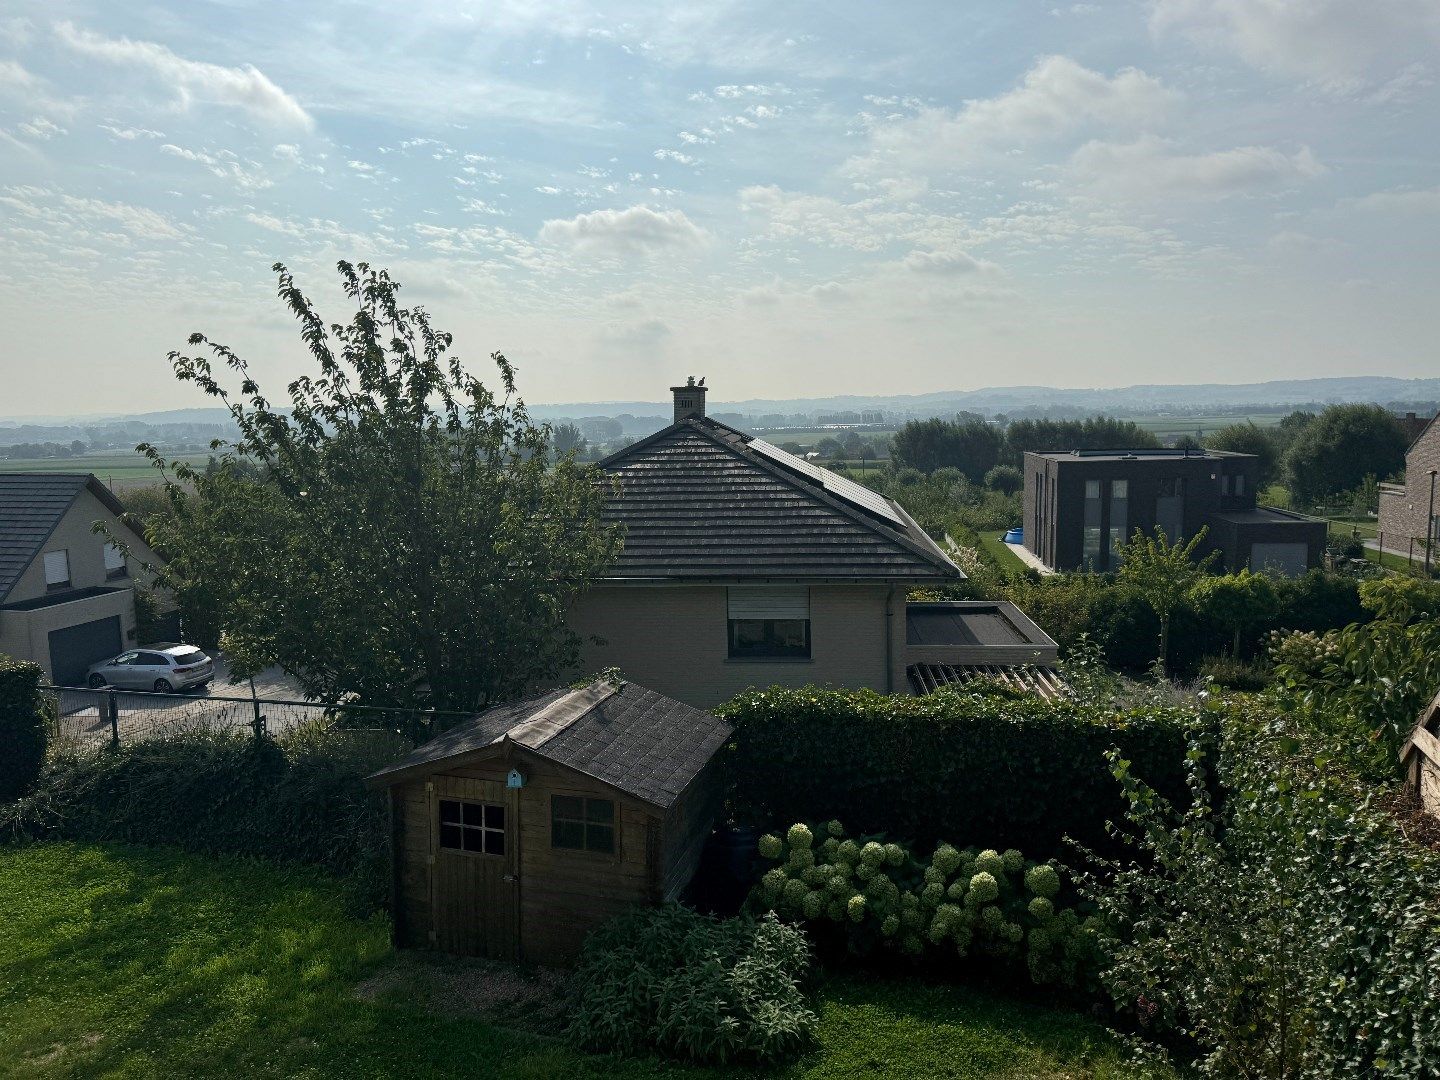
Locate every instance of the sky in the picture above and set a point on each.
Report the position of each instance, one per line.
(796, 199)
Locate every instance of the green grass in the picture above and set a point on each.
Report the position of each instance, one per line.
(1001, 553)
(128, 962)
(112, 464)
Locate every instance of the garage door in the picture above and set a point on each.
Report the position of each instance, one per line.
(75, 648)
(1287, 559)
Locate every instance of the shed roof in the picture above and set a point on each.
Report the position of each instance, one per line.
(701, 501)
(1035, 678)
(32, 506)
(635, 740)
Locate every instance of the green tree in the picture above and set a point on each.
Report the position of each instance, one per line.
(409, 541)
(1092, 433)
(1249, 438)
(1236, 601)
(1340, 447)
(972, 446)
(1162, 574)
(1005, 478)
(567, 438)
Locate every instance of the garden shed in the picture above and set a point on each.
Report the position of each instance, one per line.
(1420, 758)
(518, 831)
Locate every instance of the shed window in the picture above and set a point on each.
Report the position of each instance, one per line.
(57, 569)
(582, 824)
(478, 828)
(767, 621)
(114, 562)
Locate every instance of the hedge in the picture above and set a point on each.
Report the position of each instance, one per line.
(992, 770)
(303, 801)
(23, 727)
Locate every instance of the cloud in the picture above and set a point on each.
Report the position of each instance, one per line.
(130, 134)
(275, 225)
(1337, 42)
(72, 212)
(244, 87)
(947, 263)
(675, 156)
(641, 333)
(1056, 98)
(42, 129)
(634, 231)
(15, 77)
(1150, 168)
(248, 176)
(1426, 201)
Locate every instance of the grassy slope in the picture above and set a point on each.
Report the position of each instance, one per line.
(117, 961)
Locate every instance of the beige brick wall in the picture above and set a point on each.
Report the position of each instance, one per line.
(674, 640)
(1402, 516)
(25, 635)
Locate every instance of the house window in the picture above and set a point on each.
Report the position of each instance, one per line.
(769, 622)
(1119, 516)
(477, 828)
(582, 824)
(57, 570)
(115, 562)
(1170, 508)
(1090, 546)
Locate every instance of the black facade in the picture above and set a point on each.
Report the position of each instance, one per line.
(1080, 506)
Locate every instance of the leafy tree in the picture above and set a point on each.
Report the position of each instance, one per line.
(1186, 442)
(1236, 601)
(830, 449)
(1249, 438)
(566, 438)
(409, 542)
(972, 446)
(1093, 433)
(1005, 478)
(1343, 445)
(1163, 574)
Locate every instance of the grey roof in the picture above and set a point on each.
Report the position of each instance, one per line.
(640, 742)
(699, 503)
(1265, 515)
(1149, 453)
(1037, 679)
(31, 507)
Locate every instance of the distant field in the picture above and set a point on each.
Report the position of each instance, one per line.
(126, 468)
(1175, 426)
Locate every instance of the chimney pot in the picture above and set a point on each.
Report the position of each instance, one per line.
(689, 400)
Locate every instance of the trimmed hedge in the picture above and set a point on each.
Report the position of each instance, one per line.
(23, 727)
(303, 801)
(999, 770)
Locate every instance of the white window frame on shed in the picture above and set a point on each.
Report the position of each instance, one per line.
(114, 561)
(57, 569)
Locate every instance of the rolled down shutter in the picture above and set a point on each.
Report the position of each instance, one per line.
(57, 568)
(114, 558)
(769, 602)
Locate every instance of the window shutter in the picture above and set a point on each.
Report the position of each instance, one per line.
(769, 602)
(114, 560)
(57, 568)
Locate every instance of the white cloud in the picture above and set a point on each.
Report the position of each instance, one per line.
(243, 87)
(637, 230)
(946, 263)
(1056, 98)
(1151, 168)
(1425, 201)
(76, 213)
(247, 175)
(1337, 42)
(130, 134)
(42, 129)
(675, 156)
(275, 225)
(15, 77)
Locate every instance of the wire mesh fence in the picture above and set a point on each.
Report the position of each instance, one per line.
(105, 716)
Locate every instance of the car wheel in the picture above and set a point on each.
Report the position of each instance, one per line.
(96, 682)
(162, 686)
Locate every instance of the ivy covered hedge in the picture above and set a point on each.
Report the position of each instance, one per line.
(23, 726)
(1007, 771)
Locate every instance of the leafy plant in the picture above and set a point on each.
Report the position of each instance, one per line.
(959, 904)
(398, 532)
(1236, 601)
(1163, 573)
(721, 991)
(23, 727)
(1284, 925)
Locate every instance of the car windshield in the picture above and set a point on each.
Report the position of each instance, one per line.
(193, 656)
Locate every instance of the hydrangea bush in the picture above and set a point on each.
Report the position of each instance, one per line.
(960, 904)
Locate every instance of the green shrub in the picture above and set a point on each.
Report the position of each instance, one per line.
(1013, 769)
(218, 794)
(1230, 673)
(23, 727)
(695, 987)
(1288, 930)
(960, 906)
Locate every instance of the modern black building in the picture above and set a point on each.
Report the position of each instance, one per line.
(1081, 505)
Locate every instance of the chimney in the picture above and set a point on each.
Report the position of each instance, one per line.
(689, 400)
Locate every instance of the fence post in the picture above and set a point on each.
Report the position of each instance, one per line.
(112, 709)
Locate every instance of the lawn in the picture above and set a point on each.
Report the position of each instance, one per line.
(107, 465)
(131, 962)
(998, 550)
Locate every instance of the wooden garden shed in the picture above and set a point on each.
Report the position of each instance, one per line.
(1420, 758)
(518, 831)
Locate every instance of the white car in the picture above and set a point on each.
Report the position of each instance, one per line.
(161, 669)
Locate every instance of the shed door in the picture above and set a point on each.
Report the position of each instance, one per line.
(474, 895)
(74, 648)
(1287, 559)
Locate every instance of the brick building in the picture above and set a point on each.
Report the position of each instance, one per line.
(1405, 507)
(1081, 505)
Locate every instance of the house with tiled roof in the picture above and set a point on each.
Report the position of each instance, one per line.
(67, 594)
(747, 566)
